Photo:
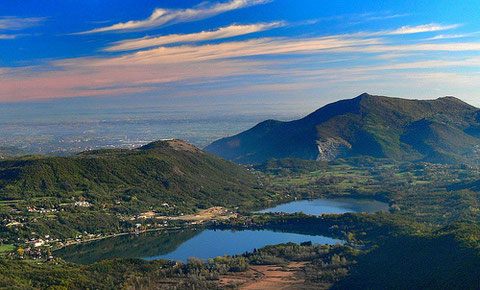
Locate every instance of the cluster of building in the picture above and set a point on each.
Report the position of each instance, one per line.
(32, 253)
(82, 204)
(41, 210)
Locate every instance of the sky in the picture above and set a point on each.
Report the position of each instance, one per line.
(134, 53)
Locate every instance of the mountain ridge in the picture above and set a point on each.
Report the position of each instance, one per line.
(376, 126)
(171, 171)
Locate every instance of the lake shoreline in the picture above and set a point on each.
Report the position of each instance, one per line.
(110, 236)
(228, 227)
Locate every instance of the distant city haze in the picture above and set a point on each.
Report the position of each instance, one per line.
(60, 129)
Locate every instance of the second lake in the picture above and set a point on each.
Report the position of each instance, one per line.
(330, 205)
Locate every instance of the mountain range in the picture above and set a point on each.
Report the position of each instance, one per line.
(442, 130)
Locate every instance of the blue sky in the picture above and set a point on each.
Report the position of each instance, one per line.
(136, 53)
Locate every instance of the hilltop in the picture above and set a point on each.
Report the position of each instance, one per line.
(442, 130)
(160, 175)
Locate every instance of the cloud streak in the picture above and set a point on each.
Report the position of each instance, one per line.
(162, 17)
(432, 27)
(237, 49)
(404, 30)
(275, 46)
(19, 23)
(454, 36)
(221, 33)
(8, 36)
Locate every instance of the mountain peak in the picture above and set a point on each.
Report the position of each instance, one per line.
(175, 144)
(454, 100)
(367, 98)
(364, 95)
(369, 125)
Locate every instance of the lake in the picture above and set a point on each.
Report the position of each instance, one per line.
(204, 244)
(181, 245)
(210, 243)
(330, 205)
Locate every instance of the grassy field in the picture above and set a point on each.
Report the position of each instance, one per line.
(6, 248)
(427, 192)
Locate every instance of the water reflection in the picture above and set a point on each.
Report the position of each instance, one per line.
(182, 245)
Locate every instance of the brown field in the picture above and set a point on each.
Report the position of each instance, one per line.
(217, 212)
(268, 277)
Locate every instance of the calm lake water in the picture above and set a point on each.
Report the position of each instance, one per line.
(212, 243)
(330, 205)
(180, 245)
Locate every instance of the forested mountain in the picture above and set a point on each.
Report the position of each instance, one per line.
(165, 172)
(442, 130)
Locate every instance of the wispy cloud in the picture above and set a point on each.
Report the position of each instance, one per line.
(162, 17)
(294, 62)
(278, 46)
(453, 36)
(432, 27)
(221, 33)
(440, 47)
(19, 23)
(236, 49)
(8, 36)
(357, 18)
(93, 79)
(404, 30)
(385, 16)
(446, 36)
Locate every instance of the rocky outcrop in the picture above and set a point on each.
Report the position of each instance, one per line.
(331, 148)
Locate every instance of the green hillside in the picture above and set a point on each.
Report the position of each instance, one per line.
(441, 130)
(165, 172)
